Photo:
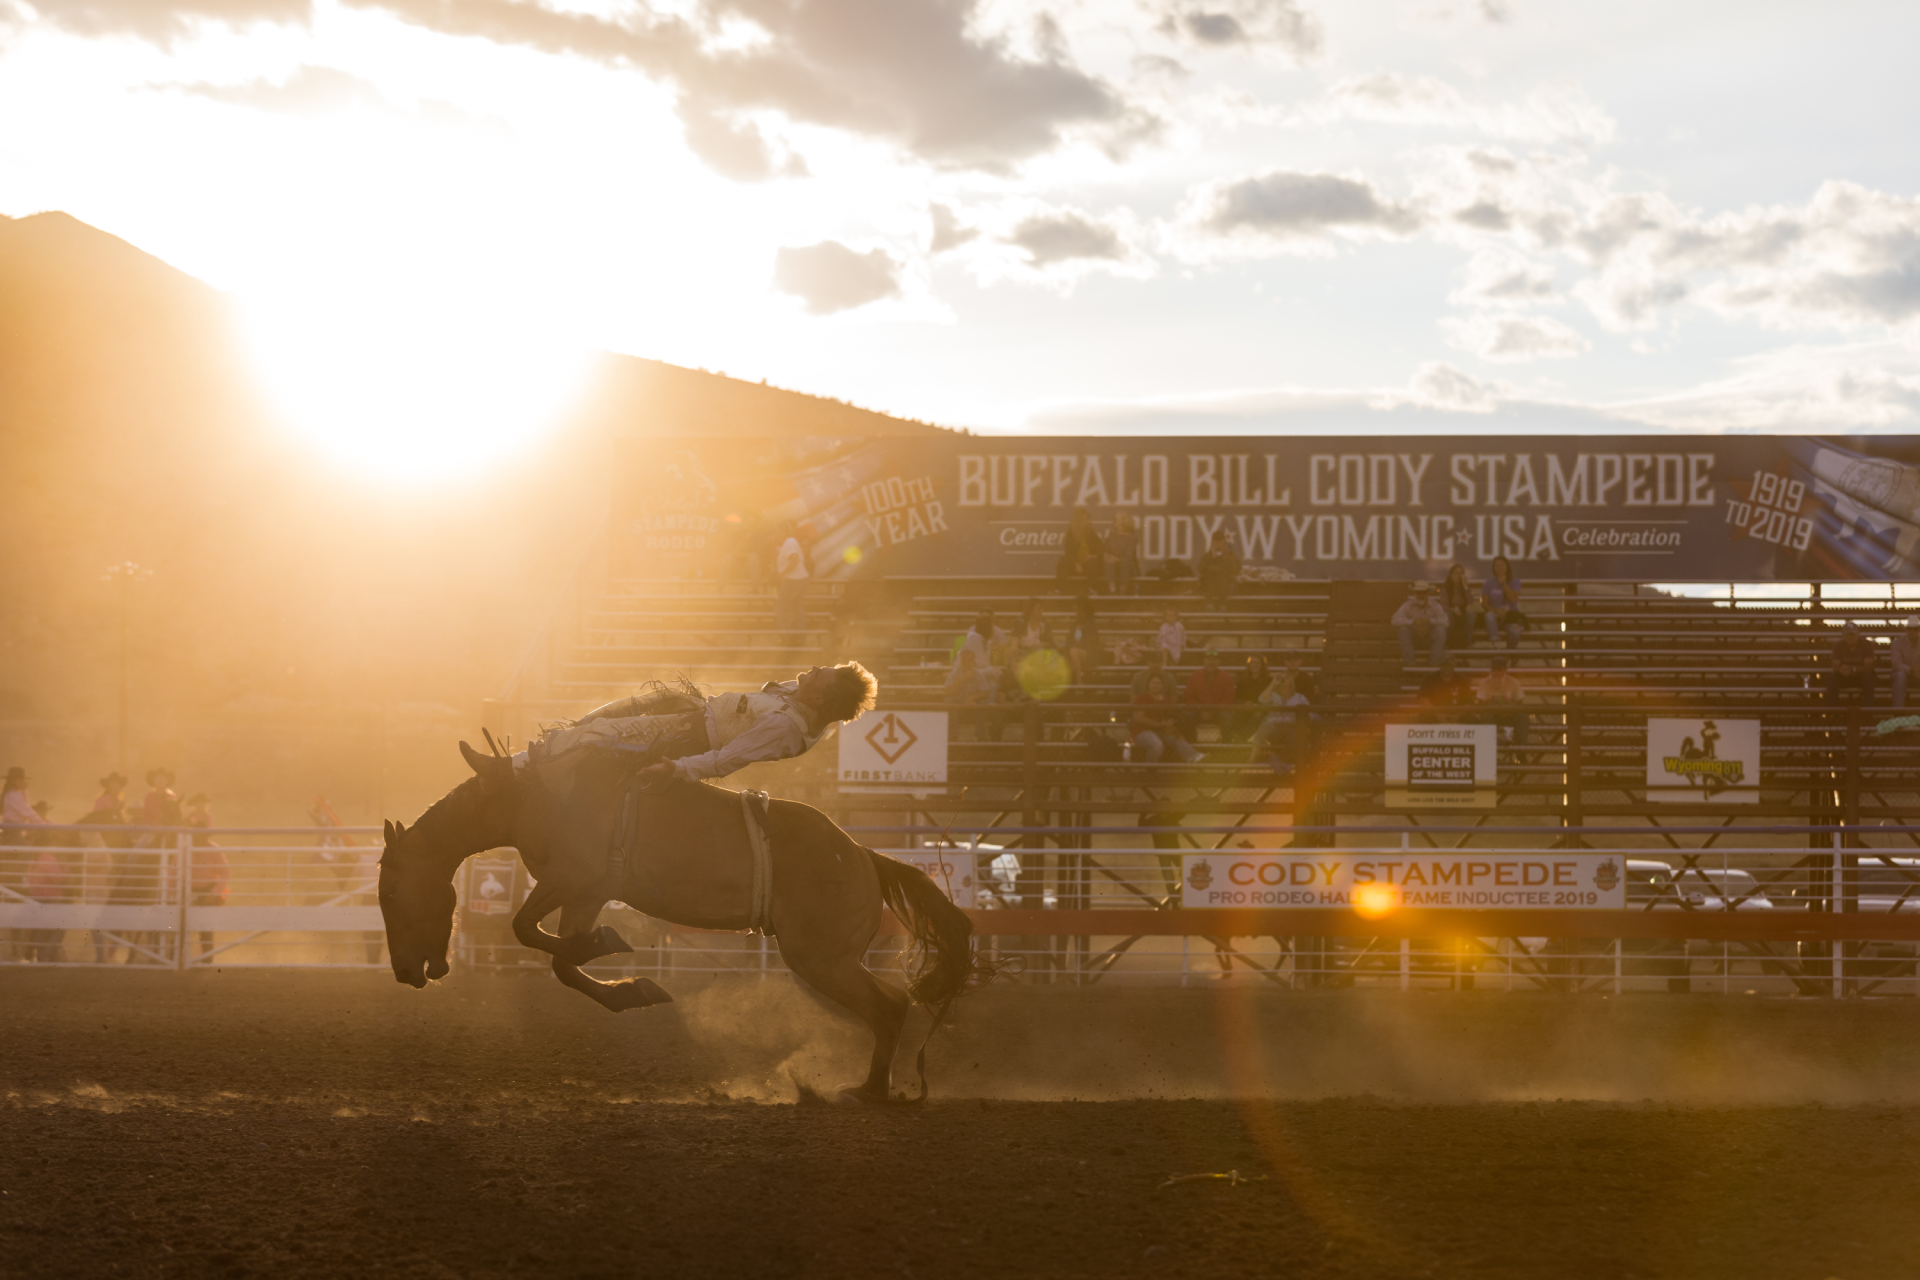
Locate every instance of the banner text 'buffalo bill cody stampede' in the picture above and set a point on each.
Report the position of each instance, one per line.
(1642, 508)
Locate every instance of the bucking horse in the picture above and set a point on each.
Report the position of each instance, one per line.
(682, 853)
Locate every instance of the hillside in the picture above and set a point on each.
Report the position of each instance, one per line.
(285, 601)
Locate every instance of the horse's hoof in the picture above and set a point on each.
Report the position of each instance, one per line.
(858, 1095)
(608, 942)
(638, 993)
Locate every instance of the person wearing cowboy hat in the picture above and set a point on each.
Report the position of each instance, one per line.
(161, 807)
(16, 809)
(1422, 622)
(111, 804)
(1852, 665)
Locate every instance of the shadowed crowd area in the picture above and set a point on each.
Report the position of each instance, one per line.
(245, 1123)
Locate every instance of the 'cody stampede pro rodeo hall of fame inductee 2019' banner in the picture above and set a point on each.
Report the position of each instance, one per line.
(1638, 508)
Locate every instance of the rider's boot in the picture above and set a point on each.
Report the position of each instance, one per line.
(495, 771)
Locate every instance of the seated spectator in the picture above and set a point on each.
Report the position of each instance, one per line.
(1501, 698)
(1083, 644)
(1123, 553)
(1906, 656)
(1219, 572)
(1031, 633)
(1289, 715)
(990, 643)
(1422, 622)
(1852, 665)
(1500, 597)
(1248, 684)
(1156, 666)
(1173, 635)
(1446, 688)
(968, 687)
(1154, 731)
(1209, 687)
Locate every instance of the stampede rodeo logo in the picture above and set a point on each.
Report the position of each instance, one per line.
(1701, 766)
(1202, 874)
(1605, 876)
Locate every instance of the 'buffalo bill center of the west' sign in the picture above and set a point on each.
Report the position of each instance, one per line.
(1645, 508)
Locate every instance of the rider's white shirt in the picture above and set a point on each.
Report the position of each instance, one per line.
(746, 728)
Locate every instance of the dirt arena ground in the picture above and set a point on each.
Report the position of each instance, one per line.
(328, 1124)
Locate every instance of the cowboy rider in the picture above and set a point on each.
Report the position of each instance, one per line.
(691, 739)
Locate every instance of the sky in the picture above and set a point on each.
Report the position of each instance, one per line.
(1094, 215)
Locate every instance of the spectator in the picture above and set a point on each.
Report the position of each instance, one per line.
(1156, 666)
(969, 687)
(1082, 558)
(1154, 730)
(161, 806)
(1248, 684)
(790, 588)
(110, 806)
(15, 809)
(1083, 644)
(110, 810)
(1173, 635)
(210, 871)
(1502, 698)
(1032, 631)
(1446, 688)
(1281, 729)
(47, 881)
(1422, 623)
(1219, 571)
(1457, 598)
(1500, 596)
(1853, 665)
(1209, 687)
(1906, 656)
(1123, 553)
(988, 641)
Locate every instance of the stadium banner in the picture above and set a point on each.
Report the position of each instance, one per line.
(951, 869)
(1376, 883)
(1700, 761)
(1442, 766)
(1648, 508)
(895, 747)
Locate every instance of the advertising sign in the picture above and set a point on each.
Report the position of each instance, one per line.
(895, 747)
(1442, 766)
(1377, 883)
(951, 869)
(490, 886)
(1633, 508)
(1698, 761)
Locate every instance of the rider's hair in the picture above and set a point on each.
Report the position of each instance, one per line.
(854, 690)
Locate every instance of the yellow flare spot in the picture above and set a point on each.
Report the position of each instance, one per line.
(851, 555)
(1373, 901)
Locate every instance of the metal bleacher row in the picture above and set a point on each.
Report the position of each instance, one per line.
(1597, 658)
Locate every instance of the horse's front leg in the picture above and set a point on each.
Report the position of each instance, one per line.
(575, 946)
(576, 918)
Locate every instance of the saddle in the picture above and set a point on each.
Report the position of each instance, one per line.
(754, 808)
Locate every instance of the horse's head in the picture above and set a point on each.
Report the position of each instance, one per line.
(416, 901)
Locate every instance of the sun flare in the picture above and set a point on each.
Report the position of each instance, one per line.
(407, 394)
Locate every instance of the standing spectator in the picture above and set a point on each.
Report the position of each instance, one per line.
(161, 805)
(1500, 596)
(1032, 631)
(47, 882)
(110, 806)
(1456, 597)
(139, 880)
(1853, 665)
(969, 687)
(1123, 553)
(1083, 643)
(1502, 698)
(1209, 687)
(1219, 571)
(15, 809)
(210, 872)
(1173, 635)
(1082, 558)
(1906, 656)
(109, 810)
(988, 641)
(1154, 730)
(1248, 684)
(1446, 688)
(1422, 623)
(790, 587)
(1281, 729)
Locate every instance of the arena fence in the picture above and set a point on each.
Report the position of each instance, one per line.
(1787, 911)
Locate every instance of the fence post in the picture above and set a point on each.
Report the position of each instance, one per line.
(183, 883)
(1576, 813)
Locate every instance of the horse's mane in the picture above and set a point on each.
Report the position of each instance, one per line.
(451, 817)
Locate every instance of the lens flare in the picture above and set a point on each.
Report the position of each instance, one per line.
(1372, 901)
(1045, 674)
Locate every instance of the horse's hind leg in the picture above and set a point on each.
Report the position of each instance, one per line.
(840, 977)
(628, 993)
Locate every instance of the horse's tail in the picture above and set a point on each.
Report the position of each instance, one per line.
(941, 932)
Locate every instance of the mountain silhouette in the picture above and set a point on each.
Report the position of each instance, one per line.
(289, 606)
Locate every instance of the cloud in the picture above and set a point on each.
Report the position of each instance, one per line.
(163, 21)
(735, 148)
(1280, 24)
(1066, 236)
(308, 90)
(1437, 385)
(1513, 338)
(1505, 280)
(1286, 210)
(1549, 114)
(829, 277)
(1805, 389)
(948, 233)
(923, 75)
